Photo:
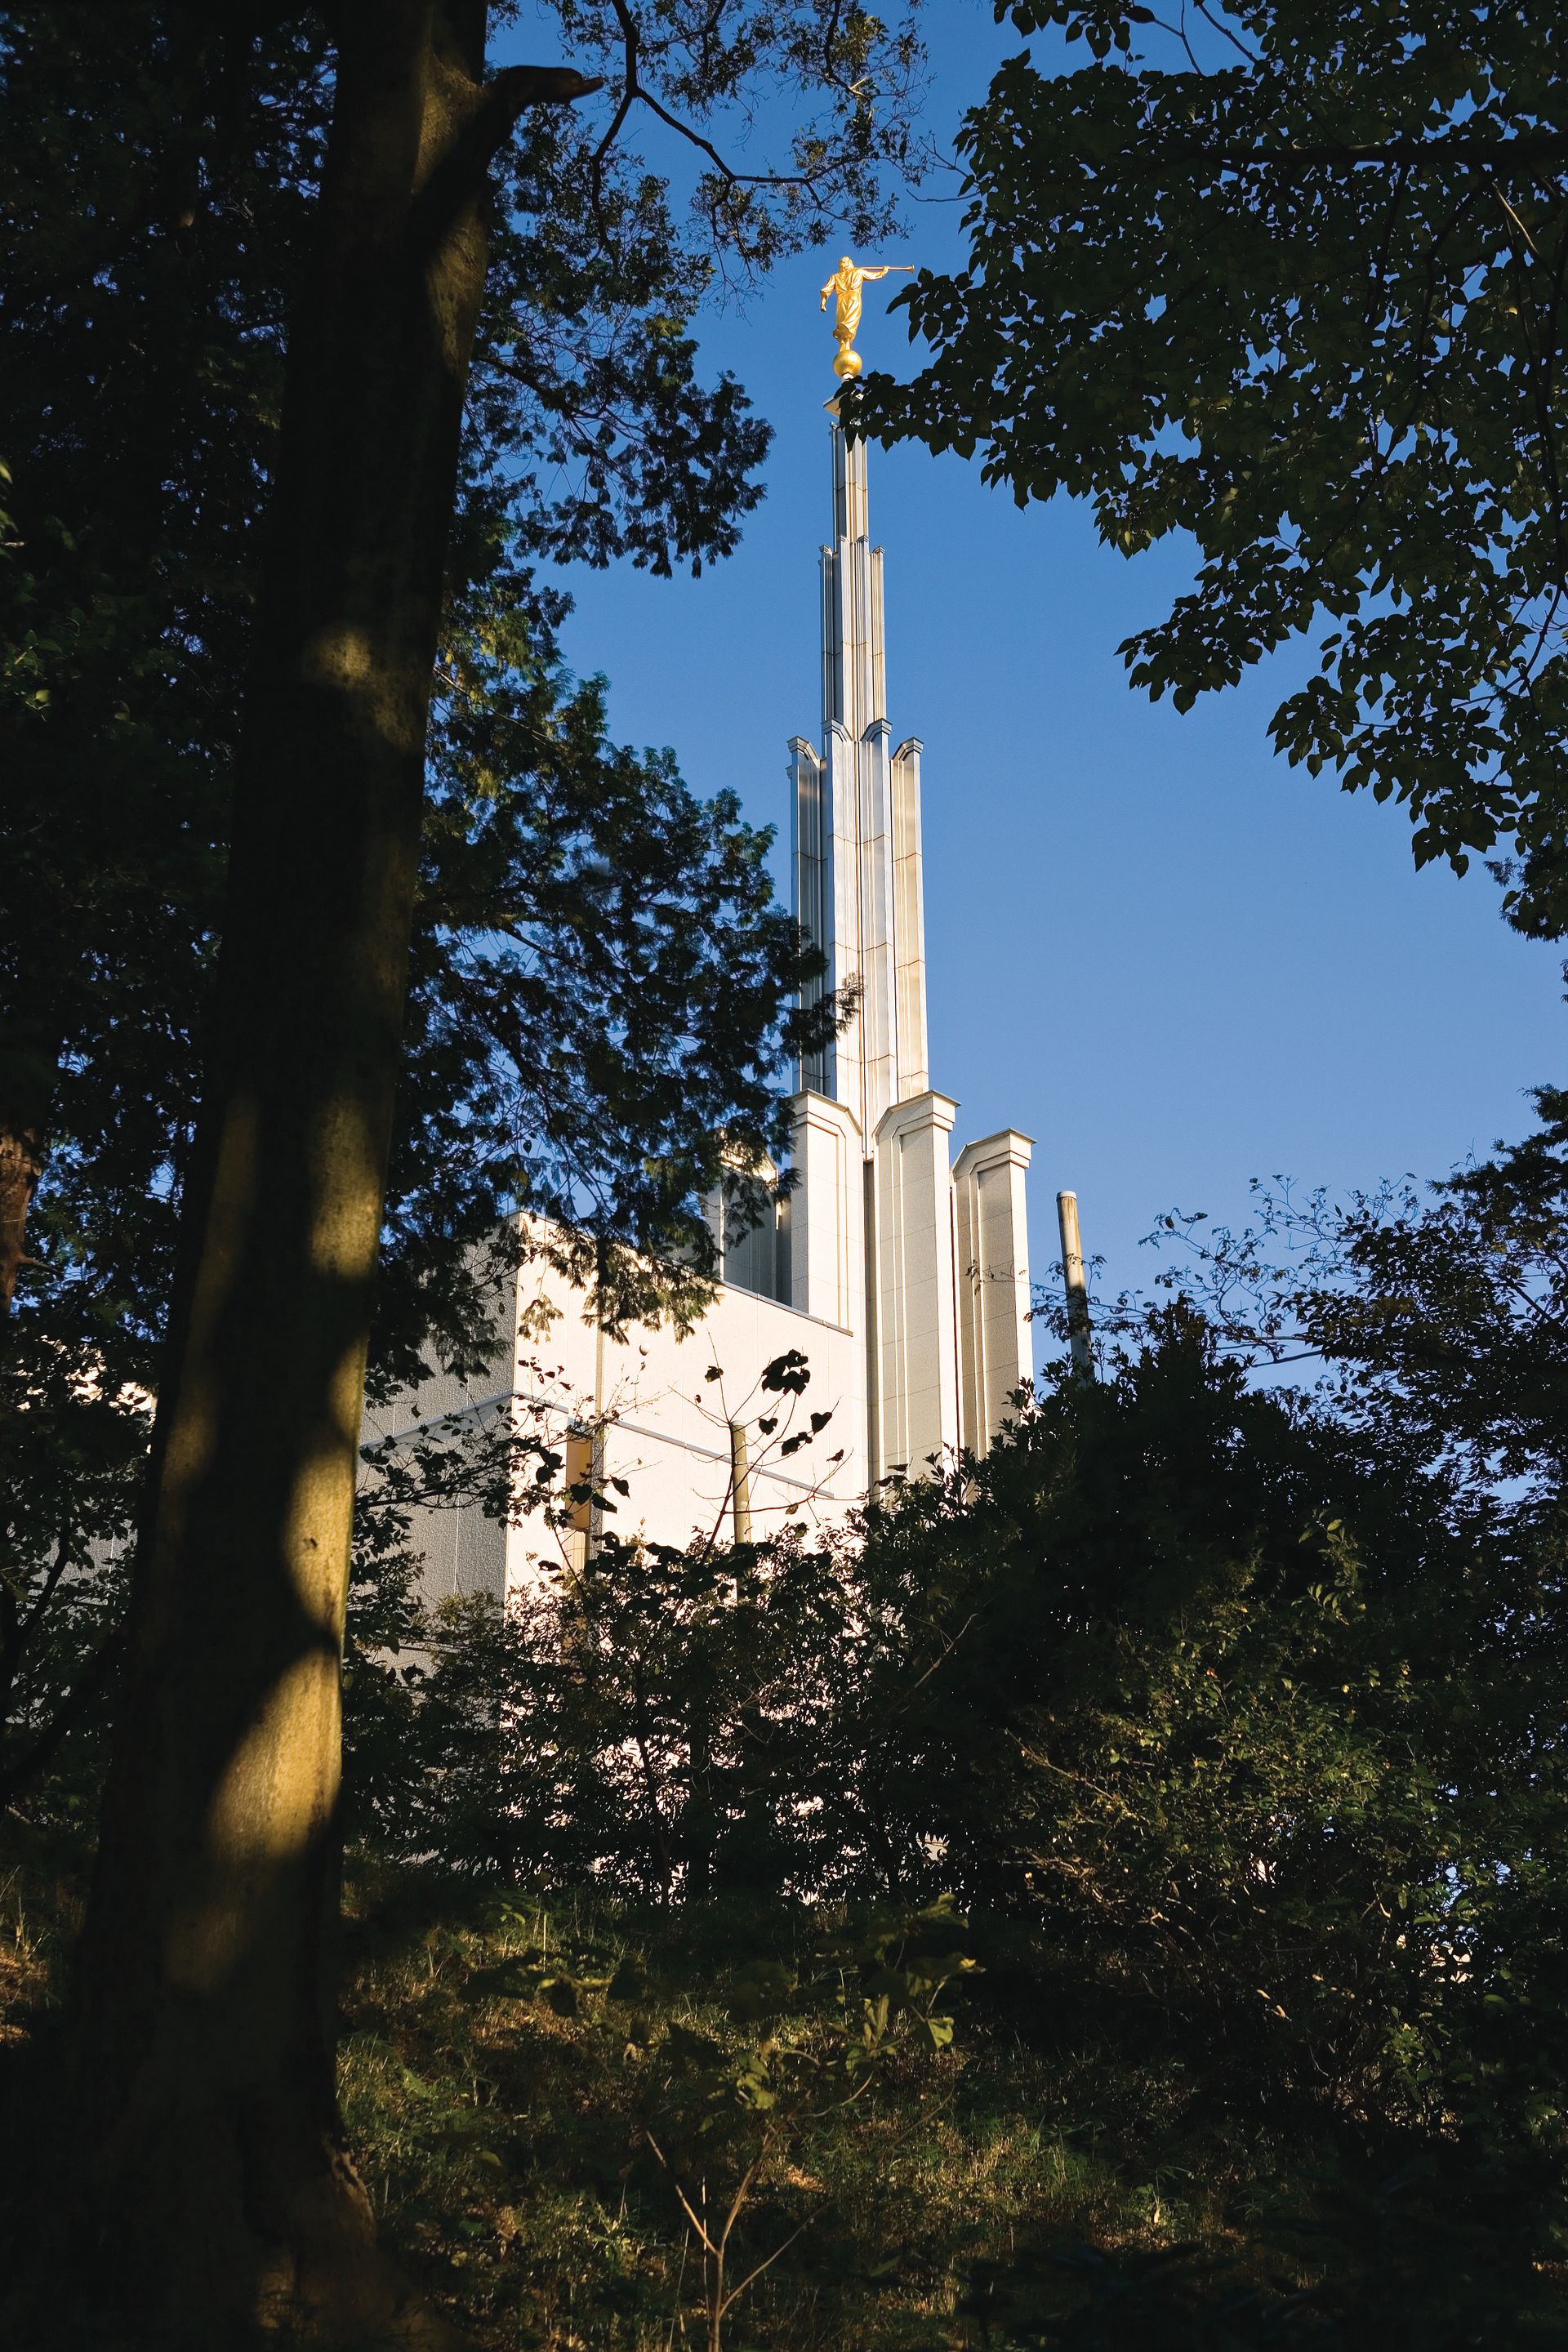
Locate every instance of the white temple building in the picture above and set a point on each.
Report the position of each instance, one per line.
(896, 1270)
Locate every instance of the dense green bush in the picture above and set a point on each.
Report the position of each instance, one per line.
(1255, 1722)
(1230, 1715)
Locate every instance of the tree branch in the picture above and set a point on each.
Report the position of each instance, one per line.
(632, 89)
(766, 2264)
(69, 1713)
(473, 149)
(45, 1594)
(691, 2214)
(511, 92)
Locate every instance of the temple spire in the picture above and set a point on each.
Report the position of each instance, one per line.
(858, 890)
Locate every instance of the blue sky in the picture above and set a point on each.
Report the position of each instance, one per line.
(1174, 961)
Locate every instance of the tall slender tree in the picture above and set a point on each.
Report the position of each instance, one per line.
(203, 2042)
(210, 2174)
(142, 331)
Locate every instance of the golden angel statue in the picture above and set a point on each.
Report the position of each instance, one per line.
(845, 283)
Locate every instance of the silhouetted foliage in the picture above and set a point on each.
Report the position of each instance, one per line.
(1234, 1714)
(602, 983)
(1288, 277)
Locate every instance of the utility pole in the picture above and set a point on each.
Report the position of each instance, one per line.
(1076, 1288)
(739, 1481)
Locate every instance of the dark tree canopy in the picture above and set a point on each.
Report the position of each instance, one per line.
(602, 981)
(1289, 277)
(1235, 1716)
(138, 426)
(269, 233)
(145, 324)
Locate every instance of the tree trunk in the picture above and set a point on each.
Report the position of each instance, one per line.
(211, 2184)
(700, 1825)
(26, 1082)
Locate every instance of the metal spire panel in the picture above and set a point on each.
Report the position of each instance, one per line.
(856, 826)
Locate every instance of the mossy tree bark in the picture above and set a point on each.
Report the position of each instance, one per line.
(213, 2181)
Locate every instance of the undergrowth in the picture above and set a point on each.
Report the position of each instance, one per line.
(529, 2084)
(502, 2104)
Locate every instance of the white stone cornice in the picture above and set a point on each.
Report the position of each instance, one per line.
(930, 1108)
(1008, 1145)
